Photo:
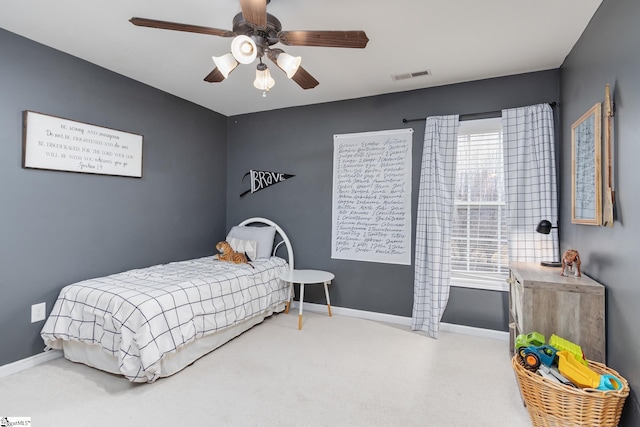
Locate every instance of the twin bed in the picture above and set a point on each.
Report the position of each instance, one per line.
(153, 322)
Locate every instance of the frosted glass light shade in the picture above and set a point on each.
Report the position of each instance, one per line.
(225, 63)
(244, 49)
(263, 80)
(288, 63)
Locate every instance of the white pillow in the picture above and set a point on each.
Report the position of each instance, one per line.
(247, 247)
(262, 235)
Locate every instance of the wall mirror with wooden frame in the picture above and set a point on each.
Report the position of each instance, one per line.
(586, 173)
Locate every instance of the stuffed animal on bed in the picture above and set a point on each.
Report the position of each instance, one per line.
(571, 261)
(228, 254)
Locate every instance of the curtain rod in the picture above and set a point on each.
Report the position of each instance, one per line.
(473, 116)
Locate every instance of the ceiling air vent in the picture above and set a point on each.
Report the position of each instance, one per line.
(397, 77)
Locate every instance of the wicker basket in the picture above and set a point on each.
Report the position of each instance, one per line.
(552, 404)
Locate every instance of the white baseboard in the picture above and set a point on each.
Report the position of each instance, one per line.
(404, 321)
(29, 362)
(476, 332)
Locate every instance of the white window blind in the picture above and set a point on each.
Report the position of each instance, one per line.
(479, 234)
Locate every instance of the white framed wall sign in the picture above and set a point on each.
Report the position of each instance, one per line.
(371, 209)
(58, 144)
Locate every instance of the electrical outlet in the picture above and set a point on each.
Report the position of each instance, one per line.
(38, 312)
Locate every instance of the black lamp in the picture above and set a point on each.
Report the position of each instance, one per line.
(544, 227)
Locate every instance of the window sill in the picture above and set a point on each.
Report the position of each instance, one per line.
(501, 285)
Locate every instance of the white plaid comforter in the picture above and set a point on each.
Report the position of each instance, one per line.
(141, 315)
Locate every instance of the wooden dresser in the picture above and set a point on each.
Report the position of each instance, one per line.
(542, 300)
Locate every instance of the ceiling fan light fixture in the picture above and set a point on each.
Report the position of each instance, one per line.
(225, 63)
(254, 32)
(288, 63)
(244, 49)
(263, 80)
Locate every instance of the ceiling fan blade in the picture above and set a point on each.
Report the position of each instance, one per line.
(255, 12)
(304, 79)
(353, 39)
(214, 76)
(165, 25)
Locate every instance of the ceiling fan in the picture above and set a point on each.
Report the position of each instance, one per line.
(254, 33)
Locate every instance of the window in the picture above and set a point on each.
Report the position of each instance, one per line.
(479, 257)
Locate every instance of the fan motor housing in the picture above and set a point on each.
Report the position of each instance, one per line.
(262, 37)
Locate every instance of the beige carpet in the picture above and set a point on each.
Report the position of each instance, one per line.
(337, 371)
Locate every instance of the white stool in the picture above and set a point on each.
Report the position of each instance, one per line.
(306, 277)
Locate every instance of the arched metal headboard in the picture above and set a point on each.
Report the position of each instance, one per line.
(279, 230)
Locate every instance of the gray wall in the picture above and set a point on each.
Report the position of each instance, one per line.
(299, 141)
(58, 227)
(609, 52)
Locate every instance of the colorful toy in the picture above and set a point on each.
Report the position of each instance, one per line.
(553, 374)
(534, 356)
(523, 341)
(563, 344)
(583, 376)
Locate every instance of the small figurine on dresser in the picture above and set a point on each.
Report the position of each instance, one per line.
(571, 263)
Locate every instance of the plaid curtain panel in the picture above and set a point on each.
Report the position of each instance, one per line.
(433, 228)
(530, 181)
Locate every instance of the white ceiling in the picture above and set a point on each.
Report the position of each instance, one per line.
(457, 40)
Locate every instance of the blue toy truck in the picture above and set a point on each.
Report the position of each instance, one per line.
(534, 356)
